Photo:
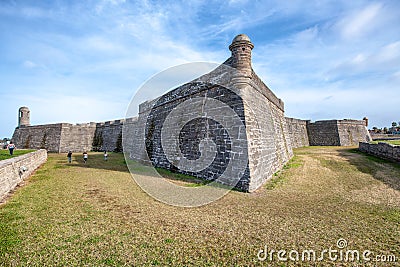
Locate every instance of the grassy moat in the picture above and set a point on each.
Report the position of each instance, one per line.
(94, 214)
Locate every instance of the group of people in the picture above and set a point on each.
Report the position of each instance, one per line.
(11, 147)
(85, 156)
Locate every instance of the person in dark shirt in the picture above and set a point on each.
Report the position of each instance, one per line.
(69, 156)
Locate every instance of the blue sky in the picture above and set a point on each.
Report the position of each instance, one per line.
(81, 61)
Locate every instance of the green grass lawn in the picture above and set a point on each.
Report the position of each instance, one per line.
(5, 154)
(393, 142)
(94, 214)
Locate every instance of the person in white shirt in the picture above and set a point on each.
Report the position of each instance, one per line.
(85, 156)
(11, 148)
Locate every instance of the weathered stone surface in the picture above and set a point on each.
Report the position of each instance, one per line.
(13, 171)
(39, 136)
(297, 131)
(337, 133)
(351, 132)
(107, 136)
(23, 117)
(382, 150)
(62, 137)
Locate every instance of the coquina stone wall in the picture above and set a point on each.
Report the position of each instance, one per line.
(269, 145)
(134, 136)
(382, 150)
(352, 132)
(323, 133)
(108, 136)
(13, 171)
(63, 137)
(77, 138)
(59, 138)
(297, 131)
(337, 133)
(38, 137)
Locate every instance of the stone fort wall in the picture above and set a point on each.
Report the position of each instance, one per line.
(297, 131)
(39, 136)
(62, 137)
(108, 136)
(327, 132)
(352, 132)
(13, 171)
(337, 133)
(323, 133)
(382, 150)
(270, 147)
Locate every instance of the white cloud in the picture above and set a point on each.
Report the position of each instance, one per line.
(389, 53)
(384, 59)
(359, 23)
(396, 76)
(100, 44)
(33, 12)
(308, 35)
(237, 2)
(29, 64)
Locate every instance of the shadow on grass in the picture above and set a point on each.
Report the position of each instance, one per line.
(373, 165)
(117, 162)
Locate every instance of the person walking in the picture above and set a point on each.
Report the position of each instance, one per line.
(85, 156)
(11, 148)
(105, 155)
(69, 156)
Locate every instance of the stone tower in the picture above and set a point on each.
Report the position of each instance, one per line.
(366, 121)
(241, 54)
(23, 117)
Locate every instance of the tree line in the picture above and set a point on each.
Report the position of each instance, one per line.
(395, 129)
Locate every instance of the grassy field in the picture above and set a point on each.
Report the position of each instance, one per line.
(393, 142)
(5, 154)
(95, 215)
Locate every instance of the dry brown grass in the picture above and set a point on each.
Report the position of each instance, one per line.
(95, 215)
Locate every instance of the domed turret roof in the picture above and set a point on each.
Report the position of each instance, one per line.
(241, 37)
(239, 40)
